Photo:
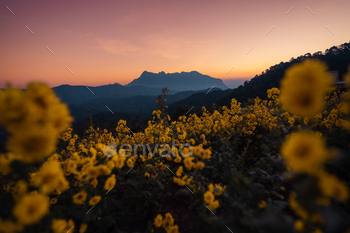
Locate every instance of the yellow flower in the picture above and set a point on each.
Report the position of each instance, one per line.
(20, 188)
(186, 152)
(178, 159)
(10, 227)
(149, 156)
(61, 225)
(59, 117)
(262, 204)
(294, 205)
(71, 166)
(94, 200)
(211, 188)
(214, 205)
(110, 182)
(187, 180)
(80, 197)
(92, 172)
(172, 229)
(33, 144)
(109, 151)
(53, 201)
(304, 152)
(147, 174)
(158, 221)
(168, 220)
(179, 171)
(94, 183)
(304, 86)
(41, 96)
(188, 163)
(118, 161)
(49, 177)
(174, 151)
(83, 228)
(218, 189)
(5, 162)
(331, 186)
(16, 112)
(197, 150)
(179, 181)
(199, 165)
(208, 197)
(31, 208)
(143, 159)
(299, 225)
(206, 154)
(130, 162)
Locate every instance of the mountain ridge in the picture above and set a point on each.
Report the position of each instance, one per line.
(184, 81)
(147, 84)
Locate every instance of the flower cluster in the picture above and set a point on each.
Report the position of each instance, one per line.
(209, 197)
(167, 223)
(303, 92)
(225, 160)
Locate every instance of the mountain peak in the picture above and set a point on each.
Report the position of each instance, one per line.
(183, 81)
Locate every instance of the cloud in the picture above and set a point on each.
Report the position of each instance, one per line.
(117, 46)
(150, 45)
(169, 46)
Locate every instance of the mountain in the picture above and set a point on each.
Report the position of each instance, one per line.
(184, 81)
(198, 100)
(141, 99)
(80, 94)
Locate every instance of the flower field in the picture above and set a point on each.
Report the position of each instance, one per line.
(277, 165)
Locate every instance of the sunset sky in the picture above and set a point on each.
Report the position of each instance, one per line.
(104, 42)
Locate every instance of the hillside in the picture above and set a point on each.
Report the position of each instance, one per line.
(337, 58)
(137, 104)
(198, 100)
(184, 81)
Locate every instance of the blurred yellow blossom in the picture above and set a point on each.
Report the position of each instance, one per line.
(31, 208)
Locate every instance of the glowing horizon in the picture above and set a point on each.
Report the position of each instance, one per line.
(115, 41)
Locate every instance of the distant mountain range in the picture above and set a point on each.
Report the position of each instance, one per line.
(184, 81)
(139, 96)
(147, 84)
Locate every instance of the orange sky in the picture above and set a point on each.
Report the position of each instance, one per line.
(104, 42)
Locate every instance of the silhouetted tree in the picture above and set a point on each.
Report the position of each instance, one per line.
(161, 99)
